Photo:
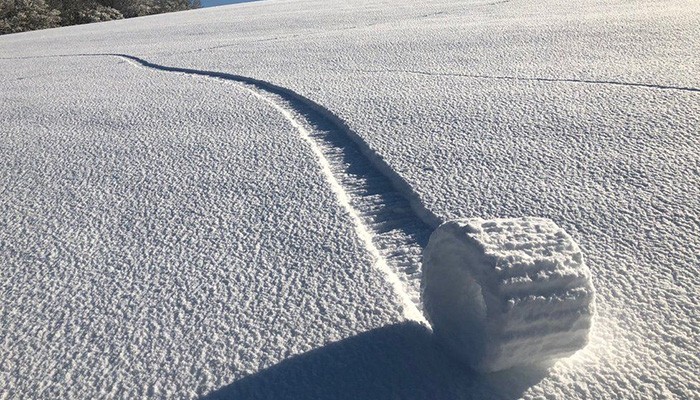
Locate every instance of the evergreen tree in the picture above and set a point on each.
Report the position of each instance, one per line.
(26, 15)
(131, 8)
(84, 11)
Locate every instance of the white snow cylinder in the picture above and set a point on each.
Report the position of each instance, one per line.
(502, 293)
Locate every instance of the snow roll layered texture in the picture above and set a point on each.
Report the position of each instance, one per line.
(502, 293)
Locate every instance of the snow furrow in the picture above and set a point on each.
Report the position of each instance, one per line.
(534, 79)
(370, 197)
(416, 72)
(388, 214)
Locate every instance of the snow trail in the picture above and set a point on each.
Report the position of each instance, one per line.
(268, 85)
(531, 79)
(410, 309)
(388, 216)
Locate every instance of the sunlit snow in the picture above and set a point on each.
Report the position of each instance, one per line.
(233, 202)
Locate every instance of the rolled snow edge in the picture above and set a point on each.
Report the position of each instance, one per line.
(502, 293)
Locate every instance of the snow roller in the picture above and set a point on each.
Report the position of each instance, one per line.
(503, 293)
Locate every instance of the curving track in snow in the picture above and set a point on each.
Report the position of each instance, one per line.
(530, 79)
(388, 216)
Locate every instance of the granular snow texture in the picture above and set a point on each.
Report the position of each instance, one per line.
(167, 235)
(507, 292)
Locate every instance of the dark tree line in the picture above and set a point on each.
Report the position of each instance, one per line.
(27, 15)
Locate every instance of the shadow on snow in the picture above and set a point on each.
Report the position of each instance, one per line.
(399, 361)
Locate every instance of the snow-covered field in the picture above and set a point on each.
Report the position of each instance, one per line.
(232, 202)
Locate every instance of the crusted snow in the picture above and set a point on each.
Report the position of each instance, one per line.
(173, 235)
(483, 303)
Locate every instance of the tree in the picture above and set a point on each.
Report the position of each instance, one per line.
(131, 8)
(26, 15)
(84, 11)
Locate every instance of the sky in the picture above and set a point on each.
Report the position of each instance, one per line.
(213, 3)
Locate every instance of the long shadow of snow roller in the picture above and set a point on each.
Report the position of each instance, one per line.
(499, 294)
(505, 297)
(400, 361)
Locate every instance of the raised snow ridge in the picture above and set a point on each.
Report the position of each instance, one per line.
(502, 293)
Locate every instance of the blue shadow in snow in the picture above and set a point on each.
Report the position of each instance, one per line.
(399, 361)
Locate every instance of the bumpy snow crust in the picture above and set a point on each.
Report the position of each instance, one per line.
(507, 292)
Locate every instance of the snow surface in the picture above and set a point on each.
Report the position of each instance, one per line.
(506, 292)
(173, 233)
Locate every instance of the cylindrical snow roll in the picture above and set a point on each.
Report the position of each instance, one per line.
(502, 293)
